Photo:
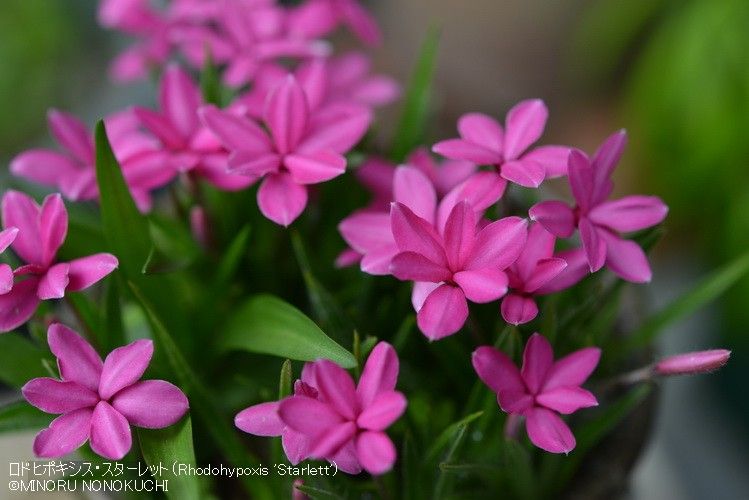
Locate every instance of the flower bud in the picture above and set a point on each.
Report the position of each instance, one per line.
(693, 362)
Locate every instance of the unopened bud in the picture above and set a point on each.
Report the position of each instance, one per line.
(693, 362)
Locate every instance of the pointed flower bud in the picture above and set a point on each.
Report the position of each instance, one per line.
(692, 362)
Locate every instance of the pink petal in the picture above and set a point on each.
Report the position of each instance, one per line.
(152, 404)
(6, 278)
(308, 416)
(414, 234)
(336, 388)
(455, 172)
(333, 439)
(630, 213)
(537, 360)
(515, 402)
(539, 245)
(524, 172)
(377, 90)
(379, 375)
(481, 191)
(573, 369)
(518, 309)
(459, 232)
(261, 420)
(124, 366)
(580, 176)
(20, 211)
(179, 99)
(604, 162)
(160, 126)
(346, 458)
(420, 292)
(626, 258)
(499, 244)
(76, 359)
(110, 432)
(414, 266)
(691, 363)
(458, 149)
(545, 271)
(549, 432)
(296, 446)
(18, 305)
(577, 268)
(414, 189)
(497, 370)
(375, 451)
(552, 158)
(377, 175)
(53, 283)
(555, 216)
(235, 133)
(361, 22)
(481, 129)
(377, 261)
(339, 135)
(53, 226)
(43, 166)
(71, 134)
(286, 114)
(54, 396)
(347, 257)
(65, 434)
(316, 167)
(281, 199)
(524, 126)
(566, 400)
(593, 244)
(365, 231)
(382, 411)
(252, 164)
(444, 312)
(482, 285)
(86, 271)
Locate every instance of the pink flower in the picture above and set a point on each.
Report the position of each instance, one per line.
(691, 363)
(188, 145)
(483, 141)
(600, 222)
(300, 148)
(40, 233)
(99, 401)
(369, 231)
(321, 17)
(7, 236)
(541, 389)
(73, 171)
(330, 418)
(456, 264)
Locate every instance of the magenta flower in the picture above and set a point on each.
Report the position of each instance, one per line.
(99, 401)
(7, 236)
(351, 78)
(315, 18)
(600, 222)
(301, 148)
(541, 389)
(72, 170)
(189, 146)
(330, 418)
(483, 141)
(40, 233)
(369, 231)
(460, 263)
(692, 363)
(535, 267)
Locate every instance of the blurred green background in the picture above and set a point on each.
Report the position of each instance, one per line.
(675, 73)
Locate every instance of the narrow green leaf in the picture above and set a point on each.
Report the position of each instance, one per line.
(710, 288)
(21, 416)
(113, 326)
(20, 360)
(413, 120)
(88, 314)
(126, 230)
(315, 493)
(448, 435)
(444, 480)
(231, 260)
(173, 247)
(265, 324)
(171, 445)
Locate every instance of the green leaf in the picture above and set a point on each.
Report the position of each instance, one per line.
(266, 324)
(448, 435)
(286, 380)
(413, 120)
(313, 492)
(126, 230)
(710, 288)
(113, 326)
(20, 360)
(167, 446)
(21, 416)
(173, 248)
(457, 433)
(231, 260)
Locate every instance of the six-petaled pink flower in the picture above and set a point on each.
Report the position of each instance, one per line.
(41, 232)
(99, 401)
(599, 221)
(541, 389)
(456, 264)
(330, 418)
(301, 148)
(483, 141)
